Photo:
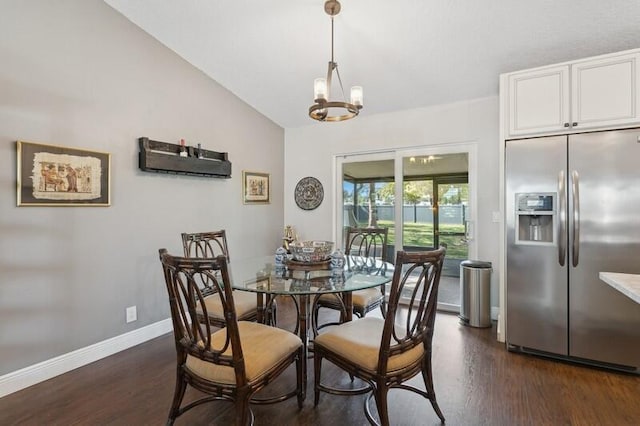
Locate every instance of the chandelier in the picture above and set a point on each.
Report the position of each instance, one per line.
(323, 108)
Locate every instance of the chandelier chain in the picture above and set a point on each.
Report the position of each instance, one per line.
(332, 39)
(334, 66)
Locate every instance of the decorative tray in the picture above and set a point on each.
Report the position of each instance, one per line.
(296, 265)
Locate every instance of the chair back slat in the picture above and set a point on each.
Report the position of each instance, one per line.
(205, 244)
(416, 277)
(183, 277)
(366, 249)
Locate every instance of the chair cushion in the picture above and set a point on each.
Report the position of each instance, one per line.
(245, 303)
(329, 298)
(262, 346)
(359, 341)
(364, 298)
(359, 298)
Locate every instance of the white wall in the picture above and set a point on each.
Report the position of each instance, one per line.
(76, 73)
(310, 151)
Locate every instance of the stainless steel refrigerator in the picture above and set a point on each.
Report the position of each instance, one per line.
(572, 211)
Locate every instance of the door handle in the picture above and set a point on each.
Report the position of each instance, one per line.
(562, 213)
(468, 230)
(575, 182)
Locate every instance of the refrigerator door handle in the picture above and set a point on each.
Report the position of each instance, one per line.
(562, 225)
(575, 249)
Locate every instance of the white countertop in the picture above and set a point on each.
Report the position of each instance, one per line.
(627, 284)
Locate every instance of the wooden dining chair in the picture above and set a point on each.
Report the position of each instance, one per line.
(232, 363)
(385, 353)
(209, 245)
(365, 250)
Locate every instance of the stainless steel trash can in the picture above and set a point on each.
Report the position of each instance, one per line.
(475, 293)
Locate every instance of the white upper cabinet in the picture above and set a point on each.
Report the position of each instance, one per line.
(605, 92)
(601, 92)
(539, 100)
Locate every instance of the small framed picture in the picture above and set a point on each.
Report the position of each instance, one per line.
(50, 175)
(256, 188)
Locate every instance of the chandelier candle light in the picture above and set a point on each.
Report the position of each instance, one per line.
(323, 109)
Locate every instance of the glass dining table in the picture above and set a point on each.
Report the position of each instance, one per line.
(261, 276)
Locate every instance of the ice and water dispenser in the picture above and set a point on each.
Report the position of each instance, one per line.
(535, 217)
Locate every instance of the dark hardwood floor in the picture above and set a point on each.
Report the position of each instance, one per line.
(477, 382)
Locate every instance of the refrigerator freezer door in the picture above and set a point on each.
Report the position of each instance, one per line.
(604, 324)
(536, 282)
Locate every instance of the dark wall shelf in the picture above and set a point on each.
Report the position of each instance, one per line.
(163, 157)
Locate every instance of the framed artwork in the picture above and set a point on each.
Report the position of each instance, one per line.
(50, 175)
(255, 188)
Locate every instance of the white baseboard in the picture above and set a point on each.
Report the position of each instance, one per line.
(28, 376)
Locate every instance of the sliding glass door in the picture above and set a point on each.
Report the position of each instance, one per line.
(435, 201)
(422, 196)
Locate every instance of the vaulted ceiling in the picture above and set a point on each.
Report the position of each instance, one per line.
(405, 53)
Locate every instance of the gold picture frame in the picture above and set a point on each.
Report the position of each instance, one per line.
(256, 188)
(52, 175)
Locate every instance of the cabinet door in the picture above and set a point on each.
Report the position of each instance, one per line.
(539, 101)
(605, 92)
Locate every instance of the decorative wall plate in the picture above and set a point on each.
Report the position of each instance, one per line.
(309, 193)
